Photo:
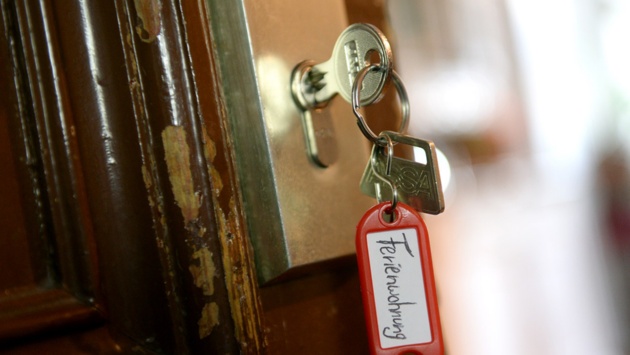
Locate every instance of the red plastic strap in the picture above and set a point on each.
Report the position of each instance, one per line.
(397, 283)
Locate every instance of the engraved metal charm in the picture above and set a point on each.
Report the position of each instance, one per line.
(418, 184)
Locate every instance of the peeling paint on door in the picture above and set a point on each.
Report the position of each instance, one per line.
(148, 183)
(209, 319)
(204, 273)
(150, 22)
(233, 255)
(177, 156)
(210, 151)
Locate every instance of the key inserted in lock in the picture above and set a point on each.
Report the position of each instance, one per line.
(314, 85)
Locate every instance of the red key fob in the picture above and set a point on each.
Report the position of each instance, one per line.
(397, 283)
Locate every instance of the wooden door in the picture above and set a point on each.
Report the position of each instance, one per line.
(121, 217)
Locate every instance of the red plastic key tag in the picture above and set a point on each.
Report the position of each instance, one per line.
(397, 284)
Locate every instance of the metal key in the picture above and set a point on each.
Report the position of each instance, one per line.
(314, 85)
(418, 184)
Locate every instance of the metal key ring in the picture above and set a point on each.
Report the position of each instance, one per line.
(388, 168)
(356, 103)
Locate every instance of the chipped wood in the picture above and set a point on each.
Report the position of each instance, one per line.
(209, 319)
(205, 272)
(237, 261)
(148, 12)
(177, 156)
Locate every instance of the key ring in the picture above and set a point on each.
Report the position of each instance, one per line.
(388, 169)
(356, 103)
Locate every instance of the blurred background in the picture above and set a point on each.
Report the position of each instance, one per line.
(530, 103)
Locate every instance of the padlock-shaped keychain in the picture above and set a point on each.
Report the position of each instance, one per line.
(419, 184)
(397, 283)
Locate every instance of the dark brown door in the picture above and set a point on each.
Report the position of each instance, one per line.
(121, 223)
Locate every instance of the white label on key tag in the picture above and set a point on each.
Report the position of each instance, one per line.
(398, 285)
